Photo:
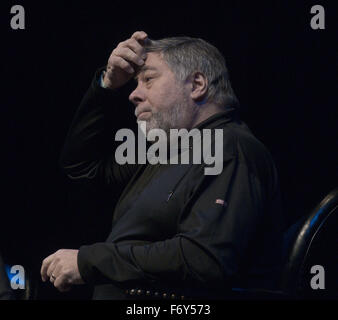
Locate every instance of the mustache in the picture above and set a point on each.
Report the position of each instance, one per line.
(139, 110)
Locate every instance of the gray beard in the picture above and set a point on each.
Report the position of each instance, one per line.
(174, 118)
(170, 119)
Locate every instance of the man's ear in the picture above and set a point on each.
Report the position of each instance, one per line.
(199, 86)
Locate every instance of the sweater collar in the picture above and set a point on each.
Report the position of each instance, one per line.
(222, 117)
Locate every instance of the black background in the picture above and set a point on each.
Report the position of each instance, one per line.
(283, 72)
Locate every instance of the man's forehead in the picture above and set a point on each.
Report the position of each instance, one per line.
(145, 68)
(154, 62)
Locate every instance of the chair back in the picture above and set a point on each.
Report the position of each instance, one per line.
(315, 244)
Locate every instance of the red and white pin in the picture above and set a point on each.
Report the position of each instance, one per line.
(221, 202)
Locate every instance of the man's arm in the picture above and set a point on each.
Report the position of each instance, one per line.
(88, 152)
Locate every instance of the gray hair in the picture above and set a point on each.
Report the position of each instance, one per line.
(185, 55)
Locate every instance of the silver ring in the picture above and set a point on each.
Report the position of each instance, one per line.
(53, 277)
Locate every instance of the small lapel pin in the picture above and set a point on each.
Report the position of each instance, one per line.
(221, 202)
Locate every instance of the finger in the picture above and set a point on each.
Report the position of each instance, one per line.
(52, 279)
(62, 283)
(52, 265)
(139, 35)
(135, 46)
(57, 270)
(123, 64)
(45, 265)
(128, 55)
(50, 270)
(64, 288)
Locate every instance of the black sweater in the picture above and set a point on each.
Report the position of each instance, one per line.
(169, 234)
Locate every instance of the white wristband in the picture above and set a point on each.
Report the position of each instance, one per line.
(101, 80)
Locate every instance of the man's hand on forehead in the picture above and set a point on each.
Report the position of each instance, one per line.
(125, 60)
(142, 38)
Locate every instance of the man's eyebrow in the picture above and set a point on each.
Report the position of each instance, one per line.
(144, 69)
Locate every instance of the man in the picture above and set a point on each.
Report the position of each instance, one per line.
(176, 231)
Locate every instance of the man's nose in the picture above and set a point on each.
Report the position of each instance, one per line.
(136, 96)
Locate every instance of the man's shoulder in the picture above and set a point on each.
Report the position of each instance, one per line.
(240, 142)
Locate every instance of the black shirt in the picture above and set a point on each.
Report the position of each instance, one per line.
(170, 231)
